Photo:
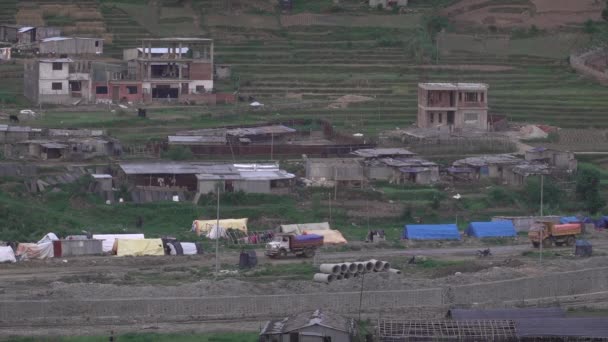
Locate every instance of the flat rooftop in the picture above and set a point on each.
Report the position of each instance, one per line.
(453, 86)
(382, 152)
(178, 39)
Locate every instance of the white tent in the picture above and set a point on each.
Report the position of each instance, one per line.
(108, 239)
(216, 233)
(50, 237)
(7, 254)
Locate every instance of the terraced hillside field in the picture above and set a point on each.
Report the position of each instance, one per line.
(312, 63)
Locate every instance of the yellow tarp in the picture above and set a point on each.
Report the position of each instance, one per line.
(202, 227)
(139, 247)
(330, 237)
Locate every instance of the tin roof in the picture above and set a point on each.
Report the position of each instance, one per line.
(56, 39)
(53, 145)
(308, 319)
(208, 171)
(196, 139)
(56, 60)
(163, 50)
(505, 159)
(7, 128)
(453, 86)
(382, 152)
(179, 39)
(272, 129)
(25, 29)
(101, 176)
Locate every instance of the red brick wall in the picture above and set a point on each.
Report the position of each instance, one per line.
(123, 93)
(201, 71)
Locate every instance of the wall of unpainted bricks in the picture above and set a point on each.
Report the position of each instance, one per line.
(138, 310)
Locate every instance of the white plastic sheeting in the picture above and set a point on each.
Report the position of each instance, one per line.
(189, 248)
(215, 233)
(50, 237)
(27, 251)
(108, 239)
(7, 254)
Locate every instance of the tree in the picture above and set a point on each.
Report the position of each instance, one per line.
(605, 14)
(587, 188)
(552, 194)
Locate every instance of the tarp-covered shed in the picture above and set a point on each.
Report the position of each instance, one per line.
(431, 232)
(491, 229)
(139, 247)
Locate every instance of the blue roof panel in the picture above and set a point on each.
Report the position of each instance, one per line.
(491, 229)
(431, 232)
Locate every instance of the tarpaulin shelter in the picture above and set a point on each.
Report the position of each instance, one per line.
(602, 222)
(184, 248)
(216, 233)
(583, 248)
(300, 228)
(139, 247)
(7, 254)
(48, 238)
(27, 251)
(431, 232)
(491, 229)
(330, 236)
(109, 239)
(203, 227)
(569, 219)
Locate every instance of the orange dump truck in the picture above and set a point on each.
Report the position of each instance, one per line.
(549, 233)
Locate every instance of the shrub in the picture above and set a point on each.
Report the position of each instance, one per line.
(177, 153)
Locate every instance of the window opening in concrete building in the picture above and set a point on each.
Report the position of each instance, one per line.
(450, 117)
(326, 338)
(440, 118)
(56, 86)
(432, 117)
(483, 97)
(471, 118)
(132, 89)
(164, 91)
(470, 97)
(57, 66)
(101, 90)
(97, 43)
(75, 86)
(294, 337)
(200, 89)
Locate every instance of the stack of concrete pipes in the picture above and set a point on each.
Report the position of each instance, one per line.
(347, 270)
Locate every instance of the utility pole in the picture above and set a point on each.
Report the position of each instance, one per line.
(217, 234)
(329, 208)
(335, 184)
(542, 186)
(361, 295)
(271, 146)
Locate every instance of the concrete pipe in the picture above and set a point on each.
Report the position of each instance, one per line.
(360, 267)
(352, 267)
(368, 266)
(347, 275)
(377, 265)
(343, 268)
(386, 266)
(323, 278)
(394, 270)
(330, 268)
(339, 276)
(356, 274)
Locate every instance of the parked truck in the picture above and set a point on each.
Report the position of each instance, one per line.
(300, 245)
(549, 233)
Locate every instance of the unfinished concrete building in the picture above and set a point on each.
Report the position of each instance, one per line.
(182, 70)
(58, 81)
(453, 106)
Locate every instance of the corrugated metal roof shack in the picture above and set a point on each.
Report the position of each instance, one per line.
(431, 232)
(66, 248)
(491, 229)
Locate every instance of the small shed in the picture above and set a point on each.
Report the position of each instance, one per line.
(491, 229)
(103, 182)
(431, 232)
(66, 248)
(318, 326)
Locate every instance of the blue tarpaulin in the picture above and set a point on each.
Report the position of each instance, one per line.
(569, 219)
(431, 232)
(308, 237)
(602, 222)
(491, 229)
